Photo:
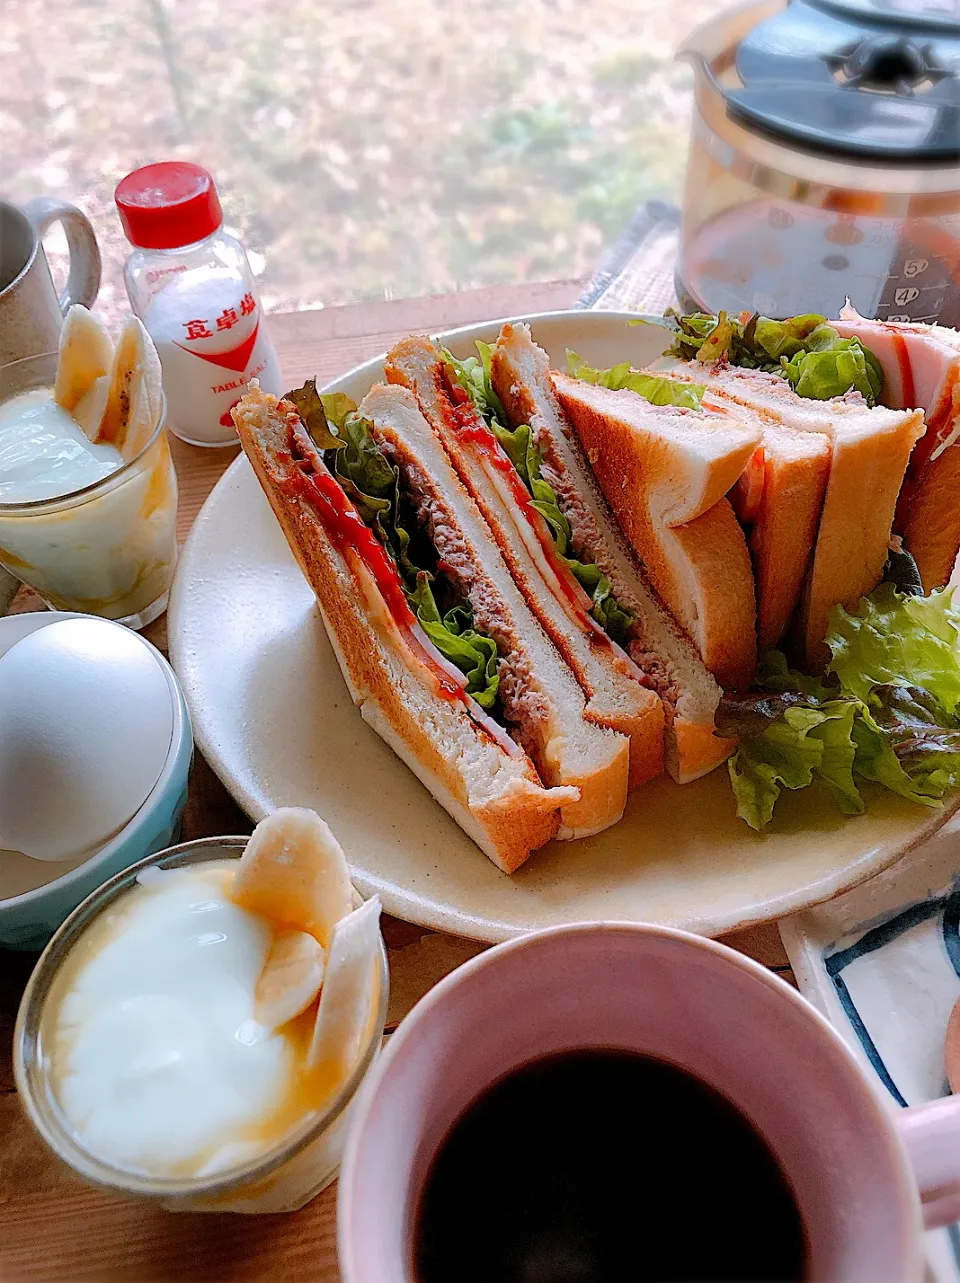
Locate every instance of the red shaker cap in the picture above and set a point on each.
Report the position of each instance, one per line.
(167, 205)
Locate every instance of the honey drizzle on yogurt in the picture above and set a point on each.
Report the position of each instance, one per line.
(305, 1091)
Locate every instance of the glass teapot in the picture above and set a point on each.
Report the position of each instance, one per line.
(824, 161)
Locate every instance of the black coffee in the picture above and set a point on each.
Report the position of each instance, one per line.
(603, 1165)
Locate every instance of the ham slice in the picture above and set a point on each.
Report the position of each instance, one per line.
(921, 370)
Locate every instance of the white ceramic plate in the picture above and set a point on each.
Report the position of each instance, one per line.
(272, 716)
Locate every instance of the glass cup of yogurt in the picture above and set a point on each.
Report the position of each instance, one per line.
(87, 530)
(137, 1059)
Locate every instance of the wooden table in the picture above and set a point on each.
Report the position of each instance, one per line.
(51, 1225)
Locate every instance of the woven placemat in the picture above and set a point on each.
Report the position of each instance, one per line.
(637, 274)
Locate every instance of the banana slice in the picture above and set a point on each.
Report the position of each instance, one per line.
(134, 401)
(89, 409)
(86, 354)
(290, 979)
(347, 993)
(294, 873)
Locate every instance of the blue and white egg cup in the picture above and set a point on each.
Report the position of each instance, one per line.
(27, 920)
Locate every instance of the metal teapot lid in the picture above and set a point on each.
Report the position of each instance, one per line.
(874, 78)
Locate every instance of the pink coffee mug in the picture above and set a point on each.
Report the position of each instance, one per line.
(855, 1164)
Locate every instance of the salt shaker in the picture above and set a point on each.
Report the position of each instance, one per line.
(190, 283)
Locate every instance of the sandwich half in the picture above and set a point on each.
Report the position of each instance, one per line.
(778, 500)
(867, 450)
(435, 644)
(921, 369)
(619, 695)
(665, 470)
(520, 374)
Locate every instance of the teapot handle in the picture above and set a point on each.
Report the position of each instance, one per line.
(931, 1133)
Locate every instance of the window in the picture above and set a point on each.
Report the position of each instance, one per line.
(366, 149)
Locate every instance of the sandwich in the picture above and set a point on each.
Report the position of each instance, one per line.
(666, 457)
(778, 500)
(531, 662)
(520, 377)
(804, 380)
(887, 708)
(921, 369)
(434, 641)
(639, 674)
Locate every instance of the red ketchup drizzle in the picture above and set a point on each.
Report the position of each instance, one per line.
(471, 428)
(347, 531)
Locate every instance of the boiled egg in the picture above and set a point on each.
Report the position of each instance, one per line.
(86, 723)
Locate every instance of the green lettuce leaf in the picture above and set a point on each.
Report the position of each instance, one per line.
(900, 569)
(373, 483)
(744, 715)
(455, 638)
(907, 742)
(825, 366)
(700, 336)
(777, 340)
(474, 374)
(802, 744)
(656, 390)
(613, 618)
(336, 406)
(838, 762)
(523, 452)
(898, 640)
(313, 415)
(775, 674)
(792, 730)
(808, 352)
(886, 710)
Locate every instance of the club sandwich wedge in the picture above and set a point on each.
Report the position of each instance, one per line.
(866, 450)
(665, 470)
(778, 500)
(520, 373)
(518, 459)
(435, 643)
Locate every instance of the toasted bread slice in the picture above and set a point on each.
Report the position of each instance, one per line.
(616, 698)
(779, 500)
(487, 784)
(868, 458)
(540, 695)
(520, 372)
(921, 369)
(665, 472)
(931, 517)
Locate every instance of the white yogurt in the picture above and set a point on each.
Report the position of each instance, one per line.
(111, 552)
(156, 1060)
(44, 453)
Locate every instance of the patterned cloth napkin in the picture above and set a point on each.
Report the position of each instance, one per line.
(637, 274)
